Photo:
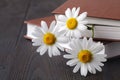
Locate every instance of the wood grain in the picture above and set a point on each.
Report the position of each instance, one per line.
(12, 14)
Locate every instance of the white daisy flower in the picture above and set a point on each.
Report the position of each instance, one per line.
(49, 39)
(72, 22)
(86, 56)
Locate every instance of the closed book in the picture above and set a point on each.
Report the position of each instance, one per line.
(101, 32)
(102, 12)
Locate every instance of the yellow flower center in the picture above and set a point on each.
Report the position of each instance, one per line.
(49, 39)
(72, 23)
(85, 56)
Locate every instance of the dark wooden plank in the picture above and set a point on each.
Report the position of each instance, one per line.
(24, 54)
(12, 14)
(111, 69)
(42, 8)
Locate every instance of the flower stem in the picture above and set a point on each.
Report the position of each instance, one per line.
(91, 27)
(92, 31)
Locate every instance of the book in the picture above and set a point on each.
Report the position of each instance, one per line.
(32, 24)
(101, 32)
(101, 12)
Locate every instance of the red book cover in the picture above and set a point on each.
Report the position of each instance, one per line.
(109, 9)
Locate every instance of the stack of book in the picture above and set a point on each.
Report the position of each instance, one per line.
(103, 14)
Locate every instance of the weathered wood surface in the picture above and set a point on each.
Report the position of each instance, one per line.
(18, 58)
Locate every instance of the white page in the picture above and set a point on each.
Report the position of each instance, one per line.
(101, 21)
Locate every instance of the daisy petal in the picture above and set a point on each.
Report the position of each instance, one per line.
(68, 33)
(73, 61)
(62, 18)
(97, 48)
(74, 45)
(93, 71)
(69, 56)
(83, 70)
(67, 46)
(68, 12)
(82, 27)
(76, 12)
(55, 51)
(73, 10)
(62, 28)
(79, 44)
(62, 39)
(101, 64)
(84, 43)
(83, 22)
(100, 58)
(69, 51)
(72, 33)
(61, 48)
(52, 26)
(38, 30)
(60, 33)
(82, 16)
(98, 63)
(77, 67)
(44, 26)
(100, 55)
(77, 34)
(38, 49)
(89, 68)
(37, 34)
(37, 42)
(50, 51)
(60, 23)
(90, 42)
(43, 49)
(72, 64)
(98, 68)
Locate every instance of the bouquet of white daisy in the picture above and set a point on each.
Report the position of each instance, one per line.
(65, 34)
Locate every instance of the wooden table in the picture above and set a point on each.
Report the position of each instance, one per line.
(19, 59)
